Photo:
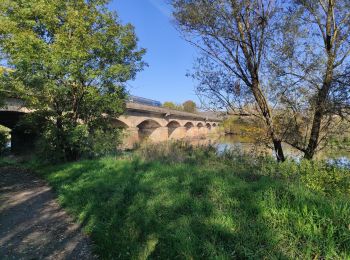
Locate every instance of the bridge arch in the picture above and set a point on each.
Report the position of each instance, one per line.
(22, 141)
(173, 127)
(190, 129)
(135, 121)
(10, 118)
(201, 130)
(147, 129)
(208, 126)
(120, 124)
(189, 125)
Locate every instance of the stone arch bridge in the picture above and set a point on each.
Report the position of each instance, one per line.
(141, 122)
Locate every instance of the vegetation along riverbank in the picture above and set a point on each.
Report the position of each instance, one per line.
(177, 201)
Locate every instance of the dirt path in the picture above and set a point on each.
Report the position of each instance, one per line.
(32, 225)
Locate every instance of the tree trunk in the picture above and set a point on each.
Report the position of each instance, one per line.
(60, 136)
(260, 98)
(322, 95)
(320, 107)
(317, 121)
(279, 150)
(265, 109)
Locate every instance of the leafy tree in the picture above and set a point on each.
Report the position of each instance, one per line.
(189, 106)
(170, 105)
(72, 58)
(311, 66)
(233, 37)
(4, 90)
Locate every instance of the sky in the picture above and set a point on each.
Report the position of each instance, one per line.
(169, 57)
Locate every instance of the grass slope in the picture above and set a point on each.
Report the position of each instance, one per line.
(200, 208)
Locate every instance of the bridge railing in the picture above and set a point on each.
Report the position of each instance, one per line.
(145, 101)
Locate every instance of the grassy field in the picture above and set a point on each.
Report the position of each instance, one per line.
(178, 202)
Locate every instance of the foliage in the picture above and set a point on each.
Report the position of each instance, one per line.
(81, 140)
(233, 37)
(174, 152)
(4, 138)
(341, 142)
(170, 105)
(243, 126)
(4, 91)
(309, 68)
(198, 205)
(71, 58)
(189, 106)
(290, 55)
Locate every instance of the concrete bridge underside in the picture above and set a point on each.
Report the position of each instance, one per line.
(21, 141)
(140, 122)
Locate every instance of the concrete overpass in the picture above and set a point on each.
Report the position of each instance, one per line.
(140, 122)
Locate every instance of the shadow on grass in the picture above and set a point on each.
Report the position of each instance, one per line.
(134, 209)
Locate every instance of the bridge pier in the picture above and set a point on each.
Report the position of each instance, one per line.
(131, 137)
(159, 135)
(178, 133)
(191, 132)
(201, 131)
(22, 142)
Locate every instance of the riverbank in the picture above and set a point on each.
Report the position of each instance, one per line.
(176, 201)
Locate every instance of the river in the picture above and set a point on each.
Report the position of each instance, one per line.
(234, 142)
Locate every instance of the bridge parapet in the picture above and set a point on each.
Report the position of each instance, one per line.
(15, 105)
(140, 122)
(168, 112)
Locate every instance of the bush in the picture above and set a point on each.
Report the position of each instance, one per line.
(71, 141)
(77, 142)
(4, 139)
(318, 176)
(174, 152)
(3, 142)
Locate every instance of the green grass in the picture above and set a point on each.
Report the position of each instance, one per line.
(200, 206)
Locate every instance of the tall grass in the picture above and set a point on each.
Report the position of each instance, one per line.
(175, 201)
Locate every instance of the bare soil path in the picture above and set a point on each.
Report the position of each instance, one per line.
(32, 224)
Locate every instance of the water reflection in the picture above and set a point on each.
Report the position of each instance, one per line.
(237, 143)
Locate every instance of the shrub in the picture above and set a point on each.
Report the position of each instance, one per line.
(77, 142)
(318, 176)
(325, 178)
(4, 139)
(174, 152)
(71, 141)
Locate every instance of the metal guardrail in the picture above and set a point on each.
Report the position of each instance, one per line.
(144, 101)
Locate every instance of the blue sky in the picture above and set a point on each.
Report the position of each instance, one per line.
(169, 56)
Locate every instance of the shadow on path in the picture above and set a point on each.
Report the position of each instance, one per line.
(32, 225)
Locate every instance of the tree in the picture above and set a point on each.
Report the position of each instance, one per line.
(233, 37)
(189, 106)
(311, 66)
(72, 58)
(4, 86)
(2, 89)
(170, 105)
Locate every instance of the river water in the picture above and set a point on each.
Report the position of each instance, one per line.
(237, 143)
